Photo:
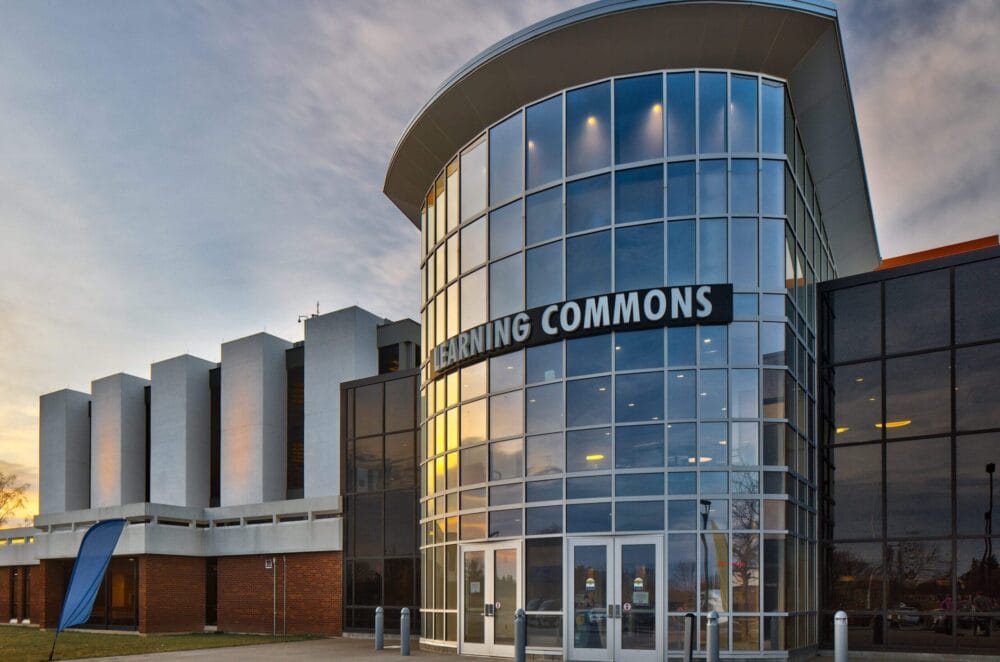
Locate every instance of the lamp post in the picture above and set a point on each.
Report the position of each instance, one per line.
(988, 534)
(706, 507)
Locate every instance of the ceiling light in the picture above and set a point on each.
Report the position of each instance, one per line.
(657, 107)
(842, 429)
(894, 424)
(596, 457)
(591, 120)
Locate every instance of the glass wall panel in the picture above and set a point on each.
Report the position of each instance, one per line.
(506, 414)
(639, 516)
(681, 443)
(977, 398)
(858, 404)
(744, 253)
(857, 316)
(543, 363)
(588, 203)
(639, 194)
(977, 310)
(639, 397)
(680, 252)
(973, 456)
(588, 487)
(857, 491)
(544, 455)
(543, 214)
(744, 186)
(772, 251)
(506, 371)
(917, 395)
(712, 258)
(588, 356)
(506, 228)
(588, 265)
(743, 114)
(544, 135)
(680, 189)
(639, 349)
(588, 450)
(681, 346)
(588, 128)
(506, 459)
(639, 446)
(772, 110)
(473, 299)
(639, 257)
(506, 159)
(544, 408)
(917, 312)
(588, 517)
(543, 571)
(712, 187)
(588, 401)
(473, 176)
(638, 118)
(506, 286)
(856, 573)
(473, 245)
(773, 188)
(681, 392)
(918, 487)
(544, 274)
(713, 394)
(711, 112)
(544, 490)
(680, 114)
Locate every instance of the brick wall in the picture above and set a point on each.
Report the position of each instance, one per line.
(303, 596)
(16, 575)
(171, 594)
(47, 588)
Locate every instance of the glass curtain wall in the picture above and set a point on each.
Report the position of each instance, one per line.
(911, 441)
(702, 434)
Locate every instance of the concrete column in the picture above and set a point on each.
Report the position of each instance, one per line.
(254, 385)
(64, 452)
(340, 346)
(118, 441)
(180, 432)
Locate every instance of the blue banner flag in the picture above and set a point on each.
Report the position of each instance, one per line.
(88, 572)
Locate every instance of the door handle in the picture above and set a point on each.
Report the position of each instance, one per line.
(611, 611)
(488, 609)
(618, 611)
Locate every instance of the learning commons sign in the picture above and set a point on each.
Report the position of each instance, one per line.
(620, 311)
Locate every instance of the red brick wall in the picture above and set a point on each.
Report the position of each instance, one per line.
(171, 593)
(304, 595)
(47, 590)
(16, 575)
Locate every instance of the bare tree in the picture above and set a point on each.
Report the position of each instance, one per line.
(13, 496)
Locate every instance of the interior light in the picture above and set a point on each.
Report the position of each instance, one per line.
(680, 376)
(657, 107)
(602, 389)
(843, 429)
(723, 442)
(691, 460)
(704, 459)
(618, 348)
(707, 340)
(596, 457)
(591, 120)
(860, 379)
(894, 424)
(631, 404)
(871, 399)
(531, 144)
(703, 394)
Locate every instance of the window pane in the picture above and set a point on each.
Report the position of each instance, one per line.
(588, 265)
(473, 381)
(544, 408)
(680, 114)
(973, 453)
(743, 339)
(857, 410)
(713, 440)
(712, 254)
(505, 230)
(588, 128)
(682, 570)
(857, 326)
(368, 464)
(588, 450)
(544, 490)
(473, 422)
(505, 495)
(638, 118)
(712, 113)
(917, 395)
(744, 186)
(855, 570)
(543, 215)
(544, 266)
(772, 109)
(506, 459)
(473, 244)
(857, 491)
(712, 394)
(772, 343)
(639, 485)
(681, 389)
(588, 203)
(919, 587)
(977, 309)
(681, 439)
(639, 349)
(540, 521)
(746, 399)
(506, 286)
(506, 159)
(680, 252)
(639, 257)
(591, 487)
(588, 401)
(712, 348)
(743, 114)
(745, 444)
(587, 356)
(744, 244)
(715, 546)
(506, 413)
(680, 189)
(400, 455)
(473, 465)
(638, 194)
(772, 254)
(639, 397)
(917, 312)
(681, 482)
(712, 187)
(473, 526)
(544, 135)
(639, 516)
(544, 455)
(473, 176)
(773, 188)
(505, 523)
(918, 487)
(543, 363)
(587, 517)
(639, 446)
(681, 343)
(977, 398)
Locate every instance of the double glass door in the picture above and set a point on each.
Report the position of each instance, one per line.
(491, 595)
(616, 588)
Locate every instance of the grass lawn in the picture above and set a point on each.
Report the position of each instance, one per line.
(24, 644)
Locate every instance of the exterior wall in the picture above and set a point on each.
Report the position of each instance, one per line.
(180, 459)
(47, 590)
(118, 441)
(254, 387)
(64, 451)
(171, 594)
(339, 347)
(301, 595)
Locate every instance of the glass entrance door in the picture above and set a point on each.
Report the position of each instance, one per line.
(615, 586)
(491, 595)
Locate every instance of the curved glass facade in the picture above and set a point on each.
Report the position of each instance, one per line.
(702, 438)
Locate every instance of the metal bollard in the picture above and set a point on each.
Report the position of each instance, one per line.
(404, 632)
(379, 628)
(712, 637)
(520, 635)
(688, 637)
(840, 637)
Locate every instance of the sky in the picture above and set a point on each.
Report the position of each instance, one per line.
(174, 175)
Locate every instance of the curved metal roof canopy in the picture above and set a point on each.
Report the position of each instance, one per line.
(796, 40)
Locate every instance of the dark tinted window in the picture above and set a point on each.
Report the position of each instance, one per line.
(542, 216)
(858, 402)
(638, 194)
(918, 487)
(857, 326)
(639, 257)
(638, 118)
(977, 396)
(588, 203)
(588, 265)
(917, 312)
(680, 114)
(917, 395)
(857, 491)
(977, 308)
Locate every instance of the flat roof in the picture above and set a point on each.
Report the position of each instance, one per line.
(795, 40)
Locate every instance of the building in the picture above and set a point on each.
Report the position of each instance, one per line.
(232, 478)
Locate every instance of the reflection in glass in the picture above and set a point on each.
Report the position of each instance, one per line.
(857, 316)
(918, 487)
(544, 490)
(588, 128)
(745, 444)
(638, 194)
(917, 314)
(680, 252)
(473, 177)
(505, 230)
(744, 253)
(506, 371)
(681, 394)
(639, 591)
(681, 342)
(639, 446)
(712, 393)
(639, 516)
(543, 571)
(714, 584)
(544, 274)
(973, 455)
(680, 189)
(639, 397)
(473, 244)
(680, 114)
(474, 628)
(639, 485)
(588, 265)
(857, 491)
(744, 186)
(506, 159)
(506, 415)
(544, 408)
(504, 524)
(712, 254)
(977, 309)
(589, 487)
(773, 188)
(543, 363)
(506, 286)
(544, 455)
(587, 356)
(543, 214)
(639, 349)
(713, 443)
(638, 118)
(712, 187)
(473, 465)
(712, 112)
(590, 596)
(746, 571)
(917, 395)
(588, 450)
(919, 574)
(681, 445)
(855, 575)
(858, 404)
(743, 114)
(772, 110)
(543, 132)
(977, 399)
(505, 572)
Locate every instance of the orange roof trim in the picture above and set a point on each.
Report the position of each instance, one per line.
(940, 251)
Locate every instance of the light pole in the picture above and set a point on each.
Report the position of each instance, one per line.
(706, 507)
(988, 534)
